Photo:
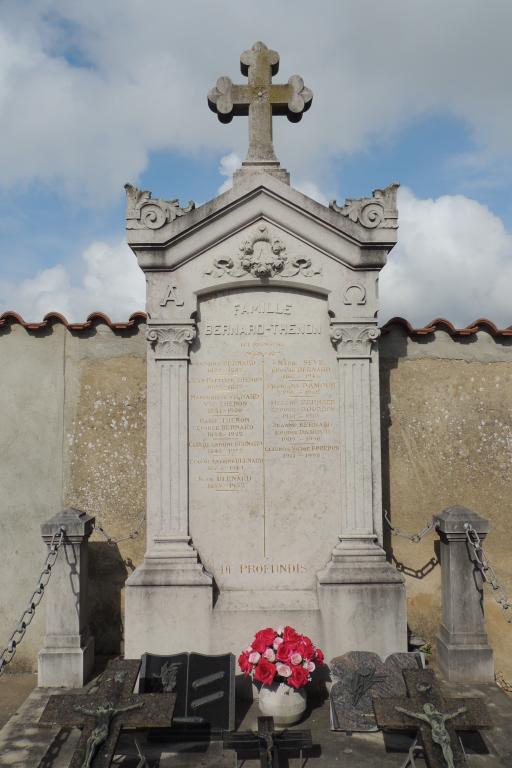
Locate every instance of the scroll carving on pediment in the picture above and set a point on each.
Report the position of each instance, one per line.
(144, 212)
(378, 211)
(264, 257)
(171, 341)
(354, 340)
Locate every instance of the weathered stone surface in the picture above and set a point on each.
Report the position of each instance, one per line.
(260, 99)
(67, 656)
(463, 650)
(359, 676)
(262, 364)
(436, 719)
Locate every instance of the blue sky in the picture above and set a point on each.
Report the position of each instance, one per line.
(93, 95)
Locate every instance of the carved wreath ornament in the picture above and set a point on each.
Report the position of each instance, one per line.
(264, 257)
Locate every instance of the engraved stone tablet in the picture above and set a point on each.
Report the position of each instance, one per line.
(264, 439)
(359, 676)
(204, 686)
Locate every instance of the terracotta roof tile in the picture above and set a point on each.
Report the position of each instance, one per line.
(52, 318)
(440, 324)
(97, 318)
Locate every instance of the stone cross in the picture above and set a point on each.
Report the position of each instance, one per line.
(102, 715)
(260, 99)
(435, 718)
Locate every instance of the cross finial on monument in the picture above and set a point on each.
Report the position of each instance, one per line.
(260, 99)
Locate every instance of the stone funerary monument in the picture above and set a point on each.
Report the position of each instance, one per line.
(263, 447)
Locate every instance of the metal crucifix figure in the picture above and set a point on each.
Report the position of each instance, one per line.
(260, 99)
(437, 722)
(103, 716)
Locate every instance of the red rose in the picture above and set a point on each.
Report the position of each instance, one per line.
(299, 676)
(244, 663)
(306, 648)
(319, 656)
(265, 671)
(284, 651)
(290, 635)
(263, 639)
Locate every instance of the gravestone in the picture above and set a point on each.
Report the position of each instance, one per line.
(358, 677)
(102, 715)
(434, 717)
(204, 686)
(263, 436)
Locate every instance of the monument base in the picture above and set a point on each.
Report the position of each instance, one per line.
(65, 667)
(362, 608)
(455, 659)
(168, 609)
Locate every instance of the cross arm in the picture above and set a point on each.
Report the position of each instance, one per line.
(61, 712)
(156, 711)
(388, 717)
(229, 100)
(476, 714)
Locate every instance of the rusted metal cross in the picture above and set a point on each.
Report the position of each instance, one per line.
(102, 715)
(435, 718)
(260, 99)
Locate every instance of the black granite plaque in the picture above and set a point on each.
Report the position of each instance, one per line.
(204, 686)
(357, 677)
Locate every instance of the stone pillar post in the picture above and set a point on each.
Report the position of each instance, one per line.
(171, 582)
(463, 649)
(67, 656)
(358, 573)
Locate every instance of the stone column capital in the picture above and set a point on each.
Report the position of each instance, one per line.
(450, 523)
(77, 524)
(354, 340)
(171, 341)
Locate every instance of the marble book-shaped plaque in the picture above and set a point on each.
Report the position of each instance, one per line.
(358, 677)
(204, 686)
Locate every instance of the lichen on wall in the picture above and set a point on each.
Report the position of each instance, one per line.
(447, 439)
(106, 446)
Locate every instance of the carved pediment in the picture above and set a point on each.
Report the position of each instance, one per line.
(262, 255)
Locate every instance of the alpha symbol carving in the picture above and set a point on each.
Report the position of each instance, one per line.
(171, 295)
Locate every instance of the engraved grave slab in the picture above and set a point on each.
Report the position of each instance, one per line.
(204, 686)
(360, 676)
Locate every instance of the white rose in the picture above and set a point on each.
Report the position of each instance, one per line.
(283, 670)
(254, 657)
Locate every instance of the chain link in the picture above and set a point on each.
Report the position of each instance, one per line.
(7, 654)
(487, 571)
(414, 537)
(113, 542)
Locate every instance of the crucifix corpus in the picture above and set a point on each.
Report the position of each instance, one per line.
(102, 715)
(435, 718)
(260, 99)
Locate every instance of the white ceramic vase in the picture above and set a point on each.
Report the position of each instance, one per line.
(285, 704)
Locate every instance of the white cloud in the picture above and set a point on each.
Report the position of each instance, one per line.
(88, 90)
(453, 260)
(228, 165)
(110, 282)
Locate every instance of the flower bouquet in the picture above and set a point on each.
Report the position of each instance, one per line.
(282, 661)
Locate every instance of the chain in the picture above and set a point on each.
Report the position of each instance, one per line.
(414, 537)
(113, 542)
(487, 571)
(7, 654)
